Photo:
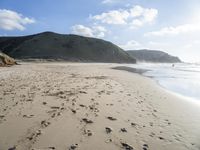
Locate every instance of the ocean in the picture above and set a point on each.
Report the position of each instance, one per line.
(180, 78)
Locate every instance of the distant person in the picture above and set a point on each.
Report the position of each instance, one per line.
(173, 65)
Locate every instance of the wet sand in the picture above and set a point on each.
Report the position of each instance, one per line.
(130, 69)
(46, 106)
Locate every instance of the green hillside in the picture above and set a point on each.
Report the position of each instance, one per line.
(49, 45)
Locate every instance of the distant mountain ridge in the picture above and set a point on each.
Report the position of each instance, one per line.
(49, 45)
(145, 55)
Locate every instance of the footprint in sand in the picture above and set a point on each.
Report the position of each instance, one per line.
(161, 138)
(87, 132)
(108, 130)
(73, 110)
(111, 118)
(12, 148)
(73, 147)
(123, 130)
(145, 147)
(45, 123)
(126, 146)
(87, 121)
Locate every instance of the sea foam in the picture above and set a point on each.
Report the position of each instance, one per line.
(181, 78)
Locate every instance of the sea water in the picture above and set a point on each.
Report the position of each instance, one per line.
(181, 78)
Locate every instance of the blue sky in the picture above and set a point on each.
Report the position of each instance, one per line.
(169, 25)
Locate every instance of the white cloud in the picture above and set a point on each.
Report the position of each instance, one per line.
(110, 1)
(112, 17)
(181, 29)
(136, 16)
(136, 23)
(150, 14)
(82, 30)
(99, 31)
(11, 20)
(157, 44)
(136, 11)
(95, 31)
(192, 44)
(131, 45)
(135, 45)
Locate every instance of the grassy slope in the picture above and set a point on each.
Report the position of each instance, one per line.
(50, 45)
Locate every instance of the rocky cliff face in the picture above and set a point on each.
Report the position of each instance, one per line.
(5, 60)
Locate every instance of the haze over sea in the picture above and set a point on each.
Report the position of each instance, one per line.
(182, 78)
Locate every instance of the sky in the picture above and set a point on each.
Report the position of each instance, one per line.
(172, 26)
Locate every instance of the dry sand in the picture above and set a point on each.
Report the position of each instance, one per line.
(91, 107)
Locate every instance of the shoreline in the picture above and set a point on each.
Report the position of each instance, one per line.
(130, 69)
(142, 71)
(91, 106)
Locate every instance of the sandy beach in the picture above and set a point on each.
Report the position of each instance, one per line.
(88, 106)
